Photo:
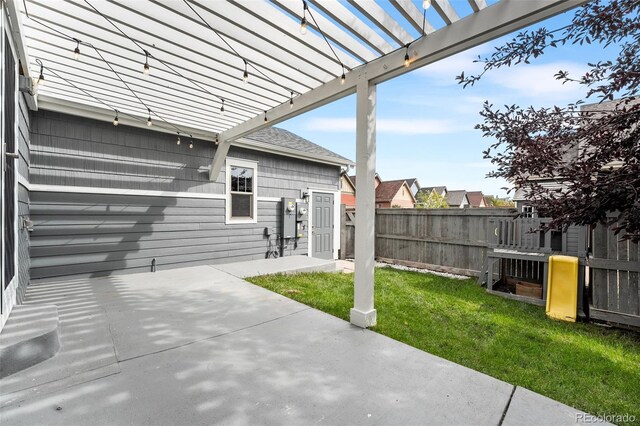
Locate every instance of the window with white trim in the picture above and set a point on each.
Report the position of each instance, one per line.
(241, 191)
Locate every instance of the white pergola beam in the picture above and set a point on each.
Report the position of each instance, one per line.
(344, 17)
(413, 15)
(383, 20)
(363, 313)
(332, 31)
(477, 5)
(446, 11)
(488, 24)
(102, 114)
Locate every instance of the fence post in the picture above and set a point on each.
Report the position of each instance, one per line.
(343, 231)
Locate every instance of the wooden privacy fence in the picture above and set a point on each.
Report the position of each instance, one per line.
(614, 278)
(450, 240)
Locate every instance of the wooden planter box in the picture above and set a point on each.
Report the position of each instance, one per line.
(529, 289)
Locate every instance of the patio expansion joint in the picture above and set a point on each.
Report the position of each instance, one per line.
(506, 407)
(213, 337)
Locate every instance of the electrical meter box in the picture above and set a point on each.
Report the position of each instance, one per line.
(289, 218)
(301, 220)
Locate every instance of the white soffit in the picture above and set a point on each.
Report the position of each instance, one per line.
(193, 68)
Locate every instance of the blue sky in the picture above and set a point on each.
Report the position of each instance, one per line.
(425, 120)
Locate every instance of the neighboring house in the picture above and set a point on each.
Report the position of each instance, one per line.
(457, 199)
(347, 191)
(352, 178)
(487, 201)
(442, 190)
(476, 199)
(394, 193)
(414, 185)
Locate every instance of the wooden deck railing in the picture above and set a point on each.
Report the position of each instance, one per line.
(522, 234)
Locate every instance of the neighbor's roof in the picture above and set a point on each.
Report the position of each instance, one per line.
(475, 198)
(353, 179)
(388, 189)
(281, 141)
(428, 189)
(411, 181)
(455, 198)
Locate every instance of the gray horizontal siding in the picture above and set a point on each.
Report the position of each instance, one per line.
(23, 198)
(74, 235)
(90, 234)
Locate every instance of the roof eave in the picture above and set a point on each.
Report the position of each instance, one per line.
(288, 152)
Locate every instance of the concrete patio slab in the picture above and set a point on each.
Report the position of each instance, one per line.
(200, 346)
(281, 265)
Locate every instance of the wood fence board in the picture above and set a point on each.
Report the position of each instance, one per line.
(612, 274)
(599, 276)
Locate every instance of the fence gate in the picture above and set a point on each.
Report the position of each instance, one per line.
(347, 232)
(615, 268)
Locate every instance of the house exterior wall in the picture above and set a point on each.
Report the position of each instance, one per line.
(109, 200)
(403, 198)
(23, 234)
(14, 291)
(347, 192)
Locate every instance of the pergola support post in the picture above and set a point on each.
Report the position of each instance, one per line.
(218, 159)
(363, 313)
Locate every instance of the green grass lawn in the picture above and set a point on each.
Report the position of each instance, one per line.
(586, 366)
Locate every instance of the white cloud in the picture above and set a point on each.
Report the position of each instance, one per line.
(538, 81)
(384, 125)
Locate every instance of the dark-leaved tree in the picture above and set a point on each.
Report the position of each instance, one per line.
(592, 153)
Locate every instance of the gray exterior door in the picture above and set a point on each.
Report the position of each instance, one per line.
(322, 228)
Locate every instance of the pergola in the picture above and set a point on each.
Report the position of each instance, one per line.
(198, 52)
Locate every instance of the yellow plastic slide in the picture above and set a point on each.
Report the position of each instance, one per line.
(562, 288)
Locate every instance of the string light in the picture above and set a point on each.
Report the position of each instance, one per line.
(76, 51)
(265, 117)
(190, 142)
(291, 101)
(315, 23)
(41, 77)
(426, 4)
(303, 22)
(407, 60)
(146, 70)
(149, 122)
(178, 141)
(222, 107)
(245, 76)
(115, 120)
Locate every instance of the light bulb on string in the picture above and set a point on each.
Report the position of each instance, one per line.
(41, 76)
(407, 60)
(149, 122)
(190, 142)
(145, 69)
(426, 4)
(303, 26)
(265, 117)
(303, 21)
(245, 76)
(178, 141)
(222, 107)
(291, 101)
(76, 51)
(343, 78)
(115, 119)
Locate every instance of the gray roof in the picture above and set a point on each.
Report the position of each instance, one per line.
(455, 198)
(280, 138)
(428, 189)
